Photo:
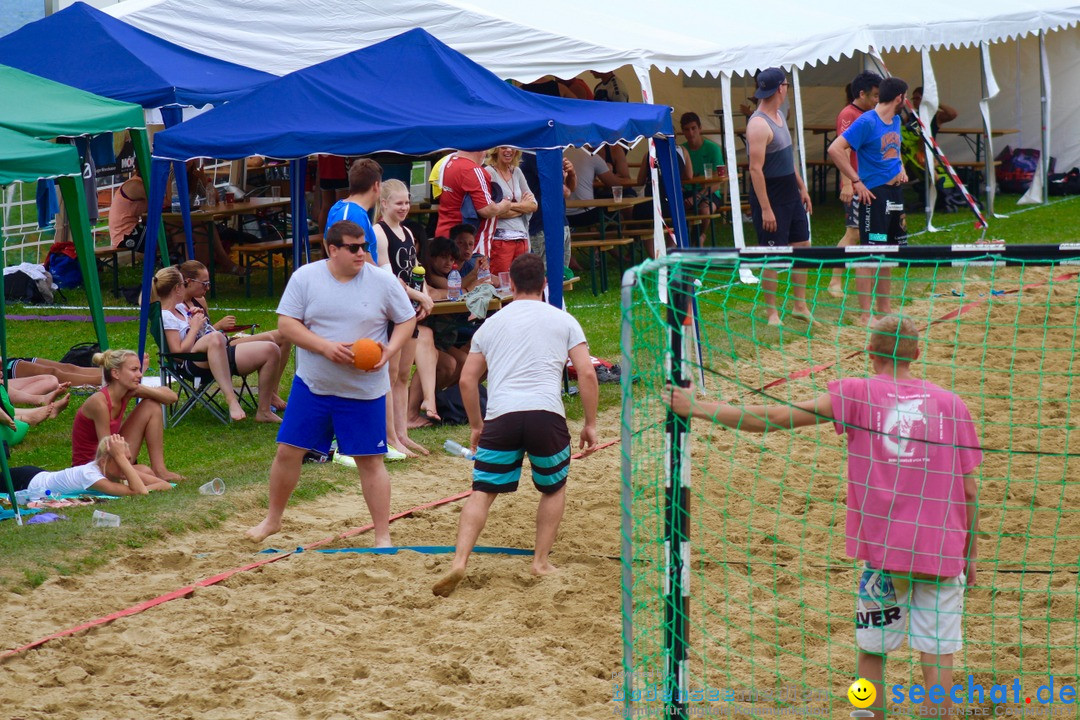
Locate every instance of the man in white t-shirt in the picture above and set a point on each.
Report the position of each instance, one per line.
(525, 412)
(326, 307)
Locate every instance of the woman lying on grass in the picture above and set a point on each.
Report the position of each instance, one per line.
(110, 472)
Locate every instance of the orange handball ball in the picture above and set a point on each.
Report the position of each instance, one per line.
(366, 353)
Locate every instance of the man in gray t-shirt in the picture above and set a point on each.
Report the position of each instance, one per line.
(525, 413)
(326, 307)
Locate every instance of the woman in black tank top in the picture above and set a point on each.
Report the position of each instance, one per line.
(397, 252)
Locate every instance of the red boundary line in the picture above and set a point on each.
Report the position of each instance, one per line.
(189, 590)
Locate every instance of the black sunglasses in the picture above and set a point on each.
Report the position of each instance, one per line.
(353, 247)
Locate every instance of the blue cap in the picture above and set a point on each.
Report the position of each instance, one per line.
(769, 81)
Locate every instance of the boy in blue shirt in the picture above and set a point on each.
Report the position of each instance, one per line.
(877, 185)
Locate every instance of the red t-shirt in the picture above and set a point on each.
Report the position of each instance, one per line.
(462, 177)
(848, 115)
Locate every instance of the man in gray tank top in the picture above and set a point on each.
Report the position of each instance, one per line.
(779, 202)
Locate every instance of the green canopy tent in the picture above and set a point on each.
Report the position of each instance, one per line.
(24, 159)
(45, 109)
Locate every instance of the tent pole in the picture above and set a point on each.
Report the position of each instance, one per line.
(746, 275)
(553, 209)
(989, 92)
(79, 224)
(800, 136)
(659, 244)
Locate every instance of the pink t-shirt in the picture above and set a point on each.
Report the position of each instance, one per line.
(848, 115)
(910, 443)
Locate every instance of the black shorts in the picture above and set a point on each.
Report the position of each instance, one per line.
(791, 223)
(883, 221)
(504, 442)
(11, 363)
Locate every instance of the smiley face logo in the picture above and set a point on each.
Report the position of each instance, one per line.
(862, 693)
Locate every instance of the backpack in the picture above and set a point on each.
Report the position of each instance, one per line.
(81, 354)
(20, 287)
(63, 264)
(1064, 183)
(451, 407)
(606, 371)
(1017, 169)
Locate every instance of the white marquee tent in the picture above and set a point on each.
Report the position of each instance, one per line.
(690, 52)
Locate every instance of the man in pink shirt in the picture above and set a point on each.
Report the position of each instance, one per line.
(913, 454)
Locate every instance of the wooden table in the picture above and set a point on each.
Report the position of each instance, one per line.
(612, 207)
(974, 137)
(453, 307)
(207, 214)
(424, 208)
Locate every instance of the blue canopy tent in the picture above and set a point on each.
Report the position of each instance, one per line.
(84, 48)
(413, 95)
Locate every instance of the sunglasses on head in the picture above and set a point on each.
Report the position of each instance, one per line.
(353, 247)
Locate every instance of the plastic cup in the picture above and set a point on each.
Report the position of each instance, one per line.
(616, 193)
(104, 519)
(214, 487)
(708, 169)
(504, 282)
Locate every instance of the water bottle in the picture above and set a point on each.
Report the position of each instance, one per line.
(176, 203)
(22, 496)
(456, 449)
(483, 274)
(416, 282)
(453, 284)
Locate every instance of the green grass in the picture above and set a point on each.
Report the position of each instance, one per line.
(201, 448)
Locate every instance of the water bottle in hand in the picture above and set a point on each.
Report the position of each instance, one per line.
(483, 275)
(453, 284)
(457, 449)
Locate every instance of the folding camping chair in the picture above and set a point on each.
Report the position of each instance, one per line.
(194, 389)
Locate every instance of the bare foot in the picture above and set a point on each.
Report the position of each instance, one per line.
(57, 406)
(49, 397)
(267, 417)
(400, 447)
(418, 422)
(774, 320)
(277, 403)
(168, 475)
(237, 413)
(803, 314)
(263, 530)
(449, 583)
(416, 446)
(544, 568)
(836, 290)
(34, 416)
(432, 414)
(383, 542)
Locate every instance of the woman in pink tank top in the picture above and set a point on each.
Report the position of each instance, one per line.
(103, 414)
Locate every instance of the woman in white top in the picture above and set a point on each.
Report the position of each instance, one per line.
(512, 227)
(196, 285)
(110, 472)
(191, 332)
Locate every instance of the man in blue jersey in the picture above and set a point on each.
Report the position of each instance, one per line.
(877, 184)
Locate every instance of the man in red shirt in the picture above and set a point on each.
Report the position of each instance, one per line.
(864, 91)
(462, 178)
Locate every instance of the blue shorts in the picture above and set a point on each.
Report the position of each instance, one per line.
(311, 421)
(504, 442)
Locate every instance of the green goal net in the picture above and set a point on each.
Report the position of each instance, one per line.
(739, 598)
